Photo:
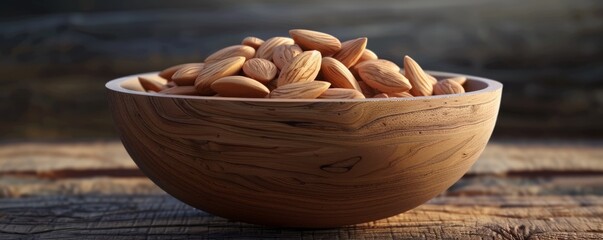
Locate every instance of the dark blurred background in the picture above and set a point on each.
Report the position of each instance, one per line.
(57, 55)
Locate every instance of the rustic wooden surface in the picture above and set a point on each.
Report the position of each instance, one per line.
(517, 190)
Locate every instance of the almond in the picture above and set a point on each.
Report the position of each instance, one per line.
(239, 86)
(382, 77)
(381, 95)
(366, 89)
(447, 86)
(266, 50)
(168, 72)
(300, 90)
(214, 71)
(326, 44)
(186, 75)
(460, 80)
(180, 90)
(284, 54)
(341, 93)
(260, 69)
(337, 74)
(303, 68)
(385, 63)
(367, 55)
(150, 85)
(252, 42)
(400, 94)
(420, 81)
(232, 51)
(351, 51)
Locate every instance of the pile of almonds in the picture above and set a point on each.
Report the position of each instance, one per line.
(307, 65)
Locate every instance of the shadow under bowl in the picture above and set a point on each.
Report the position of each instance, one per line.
(305, 163)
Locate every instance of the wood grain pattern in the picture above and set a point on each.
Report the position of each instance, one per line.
(161, 216)
(320, 163)
(517, 190)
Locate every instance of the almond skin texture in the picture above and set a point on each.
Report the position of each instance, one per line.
(381, 95)
(252, 42)
(260, 69)
(367, 55)
(341, 93)
(266, 50)
(385, 63)
(366, 89)
(300, 90)
(303, 68)
(338, 74)
(421, 83)
(383, 77)
(284, 54)
(180, 90)
(168, 72)
(215, 71)
(186, 75)
(232, 51)
(447, 86)
(239, 86)
(150, 85)
(351, 51)
(400, 94)
(326, 44)
(460, 80)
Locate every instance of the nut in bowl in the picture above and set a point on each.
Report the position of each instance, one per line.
(335, 160)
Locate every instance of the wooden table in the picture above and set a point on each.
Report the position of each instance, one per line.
(517, 190)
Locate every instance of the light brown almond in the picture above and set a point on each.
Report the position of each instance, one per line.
(150, 85)
(300, 90)
(351, 51)
(326, 44)
(180, 90)
(260, 69)
(400, 94)
(432, 79)
(186, 75)
(367, 55)
(214, 71)
(366, 89)
(252, 42)
(168, 72)
(447, 86)
(232, 51)
(382, 77)
(460, 80)
(341, 93)
(266, 50)
(303, 68)
(337, 74)
(381, 95)
(239, 86)
(422, 85)
(385, 63)
(284, 54)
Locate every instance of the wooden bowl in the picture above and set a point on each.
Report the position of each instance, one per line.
(305, 163)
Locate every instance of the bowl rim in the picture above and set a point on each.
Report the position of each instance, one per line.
(491, 85)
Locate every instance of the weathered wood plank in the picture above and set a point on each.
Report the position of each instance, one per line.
(45, 157)
(11, 187)
(160, 216)
(517, 157)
